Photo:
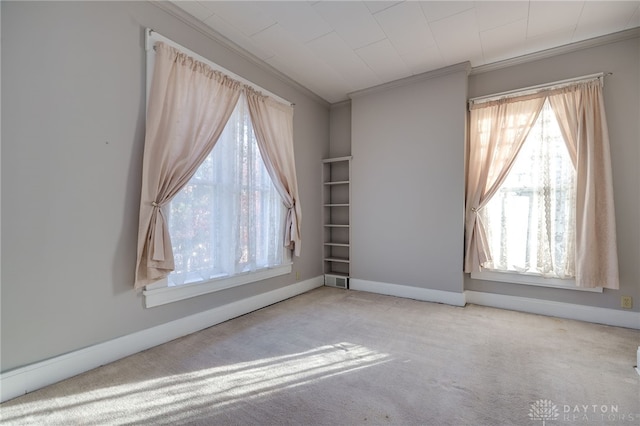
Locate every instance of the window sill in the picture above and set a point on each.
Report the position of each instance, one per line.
(515, 278)
(160, 293)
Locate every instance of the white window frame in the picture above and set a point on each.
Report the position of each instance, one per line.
(161, 292)
(528, 278)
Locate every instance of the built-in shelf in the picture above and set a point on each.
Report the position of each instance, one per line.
(336, 179)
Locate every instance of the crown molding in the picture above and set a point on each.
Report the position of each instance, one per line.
(339, 104)
(463, 66)
(212, 34)
(560, 50)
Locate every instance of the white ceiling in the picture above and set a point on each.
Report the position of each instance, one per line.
(337, 47)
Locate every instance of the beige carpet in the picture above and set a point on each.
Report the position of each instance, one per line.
(338, 357)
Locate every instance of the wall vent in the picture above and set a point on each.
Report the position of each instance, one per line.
(336, 281)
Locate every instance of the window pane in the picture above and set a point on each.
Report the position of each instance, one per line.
(530, 221)
(229, 218)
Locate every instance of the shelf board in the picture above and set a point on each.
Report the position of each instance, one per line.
(337, 244)
(334, 160)
(337, 259)
(331, 225)
(337, 182)
(336, 205)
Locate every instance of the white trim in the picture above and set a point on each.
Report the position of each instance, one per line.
(451, 69)
(160, 295)
(152, 36)
(551, 308)
(561, 50)
(35, 376)
(339, 104)
(416, 293)
(530, 279)
(614, 317)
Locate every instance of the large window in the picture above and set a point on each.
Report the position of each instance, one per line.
(539, 191)
(229, 218)
(219, 203)
(530, 221)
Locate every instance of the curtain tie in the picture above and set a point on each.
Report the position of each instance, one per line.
(474, 209)
(154, 204)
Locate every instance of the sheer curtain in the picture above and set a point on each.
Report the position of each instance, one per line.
(229, 218)
(497, 131)
(189, 105)
(273, 124)
(580, 112)
(530, 221)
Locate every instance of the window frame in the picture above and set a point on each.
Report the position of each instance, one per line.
(162, 292)
(530, 279)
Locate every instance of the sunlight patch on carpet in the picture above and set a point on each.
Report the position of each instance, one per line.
(172, 398)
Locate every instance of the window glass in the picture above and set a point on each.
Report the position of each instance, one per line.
(229, 218)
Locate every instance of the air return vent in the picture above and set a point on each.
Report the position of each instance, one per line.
(336, 281)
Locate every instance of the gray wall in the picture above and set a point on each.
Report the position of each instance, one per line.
(408, 183)
(340, 129)
(73, 93)
(622, 103)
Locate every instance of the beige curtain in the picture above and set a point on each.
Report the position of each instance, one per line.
(580, 113)
(273, 127)
(189, 105)
(497, 131)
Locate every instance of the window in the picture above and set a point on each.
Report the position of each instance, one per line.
(530, 221)
(229, 218)
(539, 192)
(216, 211)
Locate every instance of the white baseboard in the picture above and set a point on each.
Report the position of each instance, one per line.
(592, 314)
(556, 309)
(417, 293)
(35, 376)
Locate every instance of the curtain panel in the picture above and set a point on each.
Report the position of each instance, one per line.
(498, 129)
(580, 112)
(189, 105)
(273, 127)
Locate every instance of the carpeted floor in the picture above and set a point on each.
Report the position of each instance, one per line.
(338, 357)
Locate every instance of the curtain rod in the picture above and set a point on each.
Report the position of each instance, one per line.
(153, 34)
(538, 88)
